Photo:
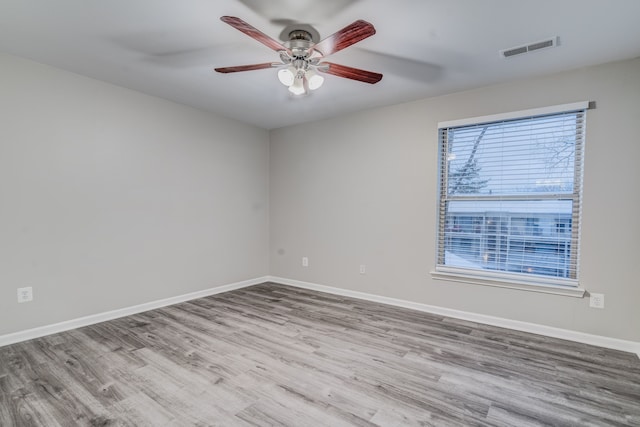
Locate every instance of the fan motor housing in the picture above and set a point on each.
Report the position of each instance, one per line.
(312, 34)
(299, 42)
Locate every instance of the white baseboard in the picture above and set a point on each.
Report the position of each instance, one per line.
(121, 312)
(597, 340)
(581, 337)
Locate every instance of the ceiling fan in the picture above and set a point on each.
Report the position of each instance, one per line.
(302, 59)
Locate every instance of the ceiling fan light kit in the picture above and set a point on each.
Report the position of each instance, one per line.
(299, 76)
(300, 57)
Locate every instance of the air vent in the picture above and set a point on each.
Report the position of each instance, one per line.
(519, 50)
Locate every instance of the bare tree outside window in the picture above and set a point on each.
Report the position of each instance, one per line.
(467, 179)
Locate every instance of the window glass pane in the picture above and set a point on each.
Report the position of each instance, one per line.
(532, 236)
(516, 157)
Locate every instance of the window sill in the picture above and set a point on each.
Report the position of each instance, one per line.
(509, 283)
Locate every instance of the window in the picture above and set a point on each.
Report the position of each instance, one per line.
(510, 189)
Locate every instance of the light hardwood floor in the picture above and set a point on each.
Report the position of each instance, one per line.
(276, 355)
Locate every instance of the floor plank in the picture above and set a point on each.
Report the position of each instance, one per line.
(277, 355)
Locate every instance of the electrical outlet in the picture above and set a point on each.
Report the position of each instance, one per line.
(596, 300)
(25, 294)
(363, 269)
(305, 261)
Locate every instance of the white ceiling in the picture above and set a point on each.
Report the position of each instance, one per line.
(168, 48)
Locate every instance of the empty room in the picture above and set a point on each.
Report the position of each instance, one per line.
(319, 213)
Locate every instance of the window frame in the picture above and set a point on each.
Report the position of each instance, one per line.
(522, 281)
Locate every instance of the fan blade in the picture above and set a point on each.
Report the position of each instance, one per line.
(351, 34)
(350, 72)
(254, 33)
(247, 67)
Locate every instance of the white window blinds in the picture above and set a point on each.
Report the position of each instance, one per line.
(510, 196)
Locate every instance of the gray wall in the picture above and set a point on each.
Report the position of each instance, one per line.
(111, 198)
(361, 189)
